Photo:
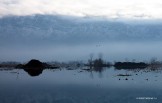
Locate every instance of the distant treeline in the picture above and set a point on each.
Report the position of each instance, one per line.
(130, 65)
(92, 63)
(9, 64)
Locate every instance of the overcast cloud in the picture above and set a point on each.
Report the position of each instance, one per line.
(107, 8)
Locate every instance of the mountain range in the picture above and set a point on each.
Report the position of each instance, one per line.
(61, 29)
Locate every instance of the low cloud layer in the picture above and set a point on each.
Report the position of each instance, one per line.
(146, 9)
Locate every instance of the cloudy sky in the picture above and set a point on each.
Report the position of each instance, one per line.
(146, 9)
(51, 32)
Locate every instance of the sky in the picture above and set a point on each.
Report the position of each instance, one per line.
(145, 9)
(48, 30)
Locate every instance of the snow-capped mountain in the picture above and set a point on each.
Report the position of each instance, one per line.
(60, 29)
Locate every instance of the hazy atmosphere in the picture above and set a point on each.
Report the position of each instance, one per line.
(62, 38)
(48, 29)
(80, 51)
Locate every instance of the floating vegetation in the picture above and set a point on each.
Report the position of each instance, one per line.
(124, 75)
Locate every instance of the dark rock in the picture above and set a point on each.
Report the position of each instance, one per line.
(34, 67)
(35, 64)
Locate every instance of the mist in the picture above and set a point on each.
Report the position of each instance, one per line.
(68, 38)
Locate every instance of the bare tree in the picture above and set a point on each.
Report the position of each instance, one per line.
(91, 59)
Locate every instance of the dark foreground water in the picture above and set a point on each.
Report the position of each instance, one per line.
(81, 86)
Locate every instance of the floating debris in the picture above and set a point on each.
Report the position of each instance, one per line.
(124, 75)
(86, 69)
(70, 69)
(14, 72)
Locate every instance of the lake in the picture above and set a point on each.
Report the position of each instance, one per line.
(81, 86)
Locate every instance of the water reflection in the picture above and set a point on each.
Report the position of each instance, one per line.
(100, 70)
(35, 67)
(73, 86)
(95, 83)
(34, 72)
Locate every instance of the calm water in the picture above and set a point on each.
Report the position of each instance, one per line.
(81, 86)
